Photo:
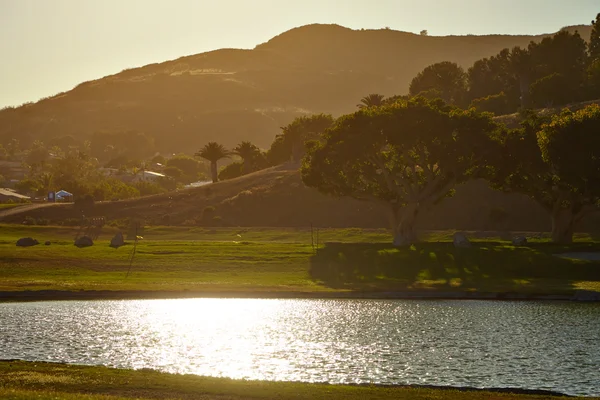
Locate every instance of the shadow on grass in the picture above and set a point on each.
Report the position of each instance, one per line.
(487, 266)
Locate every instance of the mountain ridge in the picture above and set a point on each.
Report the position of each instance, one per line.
(229, 95)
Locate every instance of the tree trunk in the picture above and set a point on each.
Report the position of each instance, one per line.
(563, 226)
(213, 171)
(404, 225)
(524, 88)
(297, 149)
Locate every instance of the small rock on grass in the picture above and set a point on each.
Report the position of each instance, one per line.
(27, 242)
(84, 241)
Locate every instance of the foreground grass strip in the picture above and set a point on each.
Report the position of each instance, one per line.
(19, 394)
(46, 381)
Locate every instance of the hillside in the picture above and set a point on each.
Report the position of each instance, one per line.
(231, 95)
(277, 197)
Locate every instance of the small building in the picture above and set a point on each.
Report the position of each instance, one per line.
(11, 195)
(63, 195)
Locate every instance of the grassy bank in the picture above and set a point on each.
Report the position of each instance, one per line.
(200, 260)
(44, 381)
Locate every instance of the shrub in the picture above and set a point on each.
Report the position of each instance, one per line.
(71, 222)
(121, 224)
(231, 171)
(497, 104)
(553, 90)
(148, 188)
(84, 202)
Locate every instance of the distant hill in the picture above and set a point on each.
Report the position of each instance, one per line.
(232, 95)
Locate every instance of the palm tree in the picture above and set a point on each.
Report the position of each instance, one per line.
(247, 151)
(372, 100)
(213, 152)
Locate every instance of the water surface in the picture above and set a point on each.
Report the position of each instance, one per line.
(533, 345)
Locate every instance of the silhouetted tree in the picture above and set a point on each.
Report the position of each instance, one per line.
(247, 152)
(372, 100)
(294, 135)
(447, 78)
(522, 68)
(594, 43)
(213, 152)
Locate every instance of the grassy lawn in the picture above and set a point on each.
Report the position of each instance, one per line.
(6, 206)
(44, 381)
(283, 260)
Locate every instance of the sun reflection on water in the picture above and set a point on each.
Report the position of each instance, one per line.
(339, 341)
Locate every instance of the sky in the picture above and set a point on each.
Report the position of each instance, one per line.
(50, 46)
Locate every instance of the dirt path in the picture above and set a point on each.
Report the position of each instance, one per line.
(23, 209)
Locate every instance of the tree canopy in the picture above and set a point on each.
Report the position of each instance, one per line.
(408, 156)
(446, 78)
(556, 162)
(372, 100)
(289, 145)
(213, 152)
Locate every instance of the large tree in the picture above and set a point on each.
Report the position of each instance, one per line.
(446, 78)
(556, 163)
(407, 156)
(594, 44)
(213, 152)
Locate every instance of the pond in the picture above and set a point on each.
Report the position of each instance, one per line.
(531, 345)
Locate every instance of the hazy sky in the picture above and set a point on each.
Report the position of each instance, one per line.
(49, 46)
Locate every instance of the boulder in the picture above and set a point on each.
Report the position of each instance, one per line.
(47, 243)
(460, 240)
(117, 241)
(519, 241)
(84, 241)
(27, 242)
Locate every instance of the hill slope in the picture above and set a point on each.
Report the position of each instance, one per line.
(277, 197)
(232, 95)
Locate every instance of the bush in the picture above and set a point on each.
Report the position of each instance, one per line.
(189, 166)
(71, 222)
(148, 188)
(121, 224)
(231, 171)
(497, 104)
(553, 90)
(85, 202)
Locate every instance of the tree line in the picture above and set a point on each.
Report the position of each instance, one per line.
(558, 70)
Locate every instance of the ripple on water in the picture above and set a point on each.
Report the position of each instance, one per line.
(552, 346)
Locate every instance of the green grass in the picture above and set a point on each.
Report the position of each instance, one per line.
(6, 206)
(45, 381)
(194, 260)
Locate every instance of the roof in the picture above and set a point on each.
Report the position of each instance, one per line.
(152, 173)
(11, 193)
(63, 193)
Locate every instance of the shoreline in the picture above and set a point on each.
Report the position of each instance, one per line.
(580, 296)
(132, 381)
